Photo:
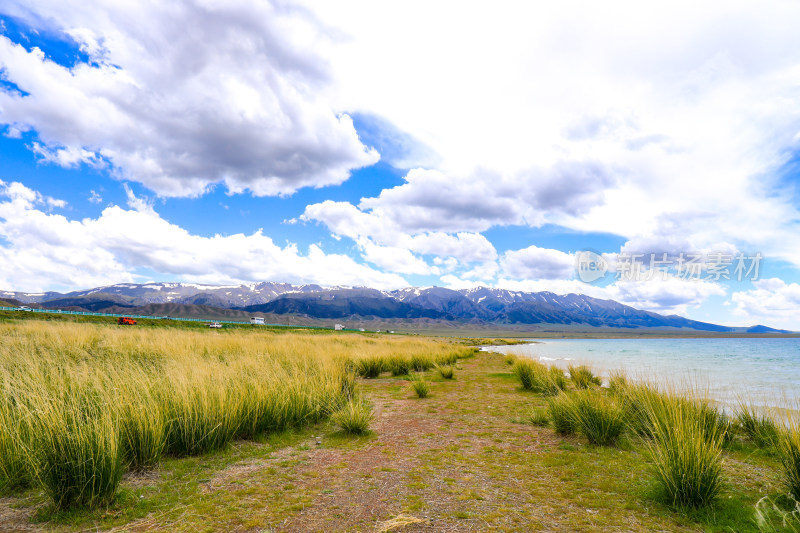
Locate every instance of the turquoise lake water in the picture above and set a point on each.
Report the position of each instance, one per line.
(763, 371)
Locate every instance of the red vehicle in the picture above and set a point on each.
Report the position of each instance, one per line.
(126, 321)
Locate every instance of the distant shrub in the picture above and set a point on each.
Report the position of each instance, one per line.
(582, 376)
(510, 359)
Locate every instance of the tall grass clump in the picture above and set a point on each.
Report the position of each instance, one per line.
(537, 377)
(80, 403)
(421, 362)
(399, 365)
(596, 416)
(354, 416)
(15, 471)
(582, 376)
(142, 421)
(687, 459)
(75, 448)
(617, 382)
(203, 414)
(759, 428)
(559, 409)
(420, 387)
(451, 358)
(789, 455)
(446, 371)
(370, 366)
(539, 417)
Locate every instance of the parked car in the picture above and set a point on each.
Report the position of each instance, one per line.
(24, 308)
(215, 325)
(126, 321)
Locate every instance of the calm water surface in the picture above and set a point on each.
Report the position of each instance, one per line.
(765, 371)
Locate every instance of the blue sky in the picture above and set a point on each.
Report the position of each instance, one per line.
(310, 143)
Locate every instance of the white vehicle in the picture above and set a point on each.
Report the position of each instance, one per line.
(215, 325)
(24, 308)
(257, 320)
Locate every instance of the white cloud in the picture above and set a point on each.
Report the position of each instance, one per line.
(393, 259)
(375, 228)
(454, 282)
(183, 95)
(773, 301)
(537, 263)
(44, 250)
(620, 119)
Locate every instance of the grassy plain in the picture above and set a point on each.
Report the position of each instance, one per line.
(472, 455)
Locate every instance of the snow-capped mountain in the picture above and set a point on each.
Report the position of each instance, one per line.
(476, 305)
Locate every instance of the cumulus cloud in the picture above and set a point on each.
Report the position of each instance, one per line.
(537, 263)
(375, 228)
(183, 95)
(45, 250)
(631, 116)
(772, 301)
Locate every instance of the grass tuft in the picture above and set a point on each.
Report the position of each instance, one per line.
(446, 371)
(686, 453)
(596, 416)
(757, 427)
(536, 377)
(789, 454)
(420, 387)
(539, 417)
(354, 416)
(561, 414)
(370, 367)
(582, 376)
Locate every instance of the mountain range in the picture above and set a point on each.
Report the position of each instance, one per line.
(477, 306)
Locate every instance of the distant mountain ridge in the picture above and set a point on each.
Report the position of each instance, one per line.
(481, 305)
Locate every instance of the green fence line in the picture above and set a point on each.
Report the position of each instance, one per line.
(114, 315)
